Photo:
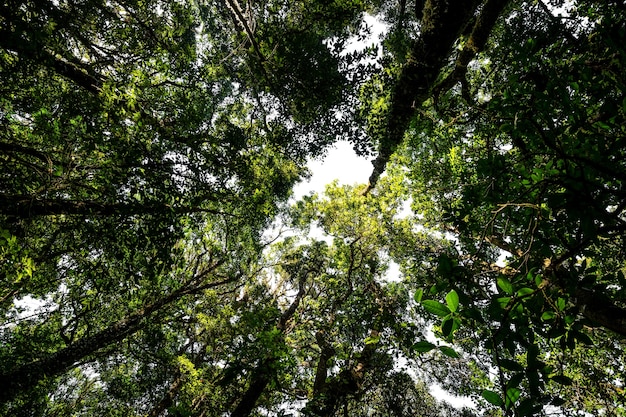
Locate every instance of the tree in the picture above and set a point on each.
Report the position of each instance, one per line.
(148, 148)
(521, 163)
(124, 144)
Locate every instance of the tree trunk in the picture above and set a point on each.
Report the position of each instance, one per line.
(260, 379)
(442, 23)
(328, 396)
(601, 311)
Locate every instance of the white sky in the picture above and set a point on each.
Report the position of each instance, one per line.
(342, 164)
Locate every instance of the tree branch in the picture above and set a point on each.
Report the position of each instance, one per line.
(23, 377)
(23, 206)
(37, 53)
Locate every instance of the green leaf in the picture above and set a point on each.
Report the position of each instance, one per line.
(418, 295)
(504, 284)
(526, 407)
(449, 325)
(506, 128)
(445, 265)
(472, 313)
(492, 398)
(538, 280)
(372, 340)
(436, 308)
(548, 315)
(516, 380)
(602, 125)
(423, 346)
(524, 291)
(512, 395)
(452, 300)
(546, 369)
(584, 338)
(448, 351)
(503, 301)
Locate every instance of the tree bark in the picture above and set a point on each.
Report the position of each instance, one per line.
(601, 311)
(491, 10)
(260, 378)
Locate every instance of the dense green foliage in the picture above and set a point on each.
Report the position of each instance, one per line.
(152, 262)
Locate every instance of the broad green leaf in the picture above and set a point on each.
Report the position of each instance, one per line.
(445, 265)
(562, 379)
(423, 346)
(516, 379)
(449, 325)
(504, 284)
(436, 308)
(418, 295)
(583, 337)
(472, 313)
(503, 302)
(527, 407)
(512, 395)
(546, 369)
(511, 365)
(448, 351)
(492, 398)
(452, 300)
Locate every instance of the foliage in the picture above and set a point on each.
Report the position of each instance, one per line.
(151, 262)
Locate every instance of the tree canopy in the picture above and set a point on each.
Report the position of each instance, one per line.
(154, 263)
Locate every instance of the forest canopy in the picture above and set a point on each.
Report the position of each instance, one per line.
(153, 260)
